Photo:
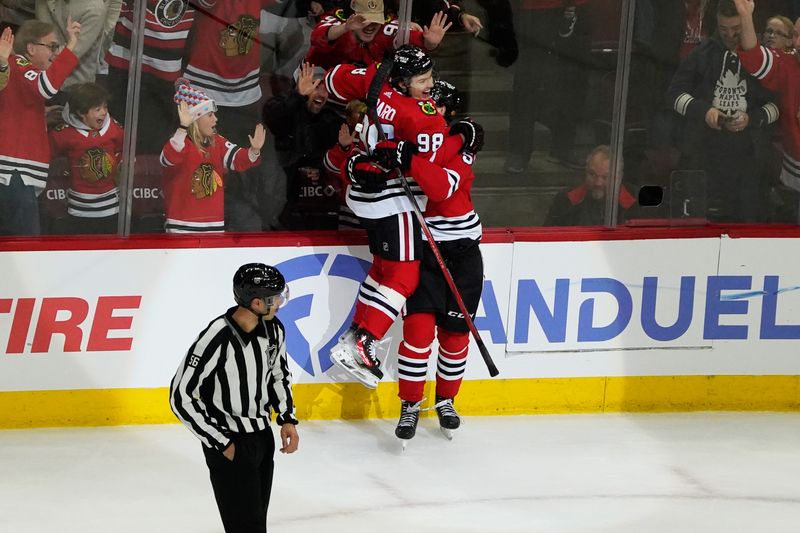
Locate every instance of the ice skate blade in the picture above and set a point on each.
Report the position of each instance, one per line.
(448, 433)
(404, 443)
(342, 359)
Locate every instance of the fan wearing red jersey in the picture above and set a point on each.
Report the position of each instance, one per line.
(363, 34)
(36, 74)
(195, 159)
(92, 141)
(166, 30)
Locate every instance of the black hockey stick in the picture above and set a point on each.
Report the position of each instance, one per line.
(372, 100)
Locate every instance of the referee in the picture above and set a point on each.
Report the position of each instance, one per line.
(232, 378)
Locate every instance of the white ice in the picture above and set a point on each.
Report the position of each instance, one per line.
(701, 472)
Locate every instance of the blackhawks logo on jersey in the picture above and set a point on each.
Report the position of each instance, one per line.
(94, 165)
(427, 108)
(205, 181)
(237, 39)
(169, 13)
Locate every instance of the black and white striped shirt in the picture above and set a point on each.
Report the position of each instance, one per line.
(230, 381)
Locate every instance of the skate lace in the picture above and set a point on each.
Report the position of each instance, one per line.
(445, 408)
(409, 414)
(368, 347)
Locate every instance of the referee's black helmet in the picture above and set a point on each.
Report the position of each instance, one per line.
(257, 280)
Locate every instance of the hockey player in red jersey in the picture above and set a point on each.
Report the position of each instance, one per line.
(36, 73)
(431, 311)
(196, 158)
(381, 204)
(92, 141)
(363, 34)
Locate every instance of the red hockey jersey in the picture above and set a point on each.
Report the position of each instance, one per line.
(24, 146)
(452, 216)
(193, 186)
(346, 49)
(225, 59)
(401, 117)
(94, 157)
(166, 27)
(780, 73)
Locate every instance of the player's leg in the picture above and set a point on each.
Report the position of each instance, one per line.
(466, 267)
(412, 369)
(397, 241)
(450, 366)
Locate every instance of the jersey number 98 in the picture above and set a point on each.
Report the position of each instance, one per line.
(429, 143)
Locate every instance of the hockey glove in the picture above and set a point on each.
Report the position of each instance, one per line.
(472, 132)
(393, 154)
(365, 174)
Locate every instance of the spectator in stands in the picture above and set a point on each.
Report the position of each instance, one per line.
(363, 36)
(35, 75)
(92, 141)
(550, 79)
(6, 47)
(585, 204)
(779, 34)
(304, 128)
(196, 158)
(778, 71)
(726, 112)
(348, 134)
(224, 61)
(165, 34)
(96, 18)
(423, 11)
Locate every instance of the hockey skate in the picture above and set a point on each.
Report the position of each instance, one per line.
(448, 416)
(407, 425)
(356, 355)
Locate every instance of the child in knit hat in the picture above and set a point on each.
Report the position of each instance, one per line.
(196, 158)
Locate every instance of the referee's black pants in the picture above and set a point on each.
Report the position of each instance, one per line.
(242, 487)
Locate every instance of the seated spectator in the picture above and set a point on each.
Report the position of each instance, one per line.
(727, 112)
(97, 18)
(585, 204)
(304, 129)
(195, 160)
(6, 47)
(363, 36)
(92, 141)
(35, 75)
